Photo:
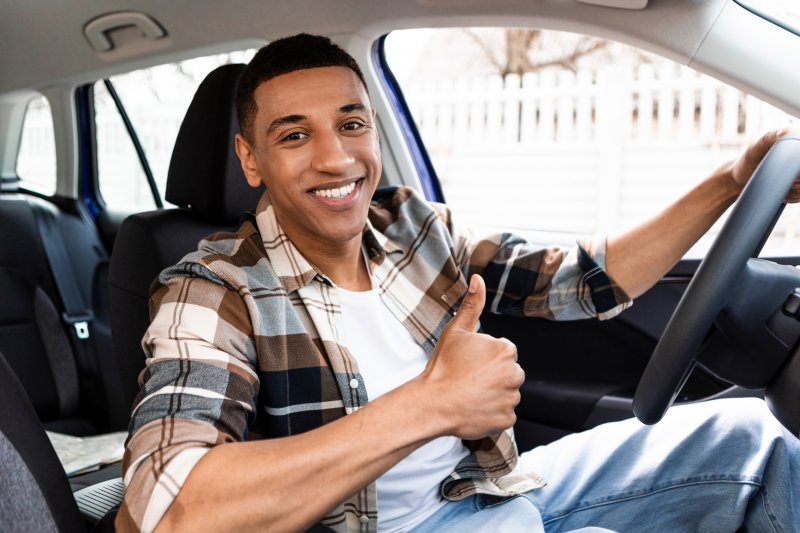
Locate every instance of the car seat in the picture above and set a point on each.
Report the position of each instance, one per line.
(71, 382)
(206, 182)
(35, 493)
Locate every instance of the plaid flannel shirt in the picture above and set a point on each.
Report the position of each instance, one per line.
(244, 337)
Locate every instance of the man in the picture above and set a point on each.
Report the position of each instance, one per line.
(329, 325)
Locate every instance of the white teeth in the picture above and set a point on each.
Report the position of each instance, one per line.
(336, 193)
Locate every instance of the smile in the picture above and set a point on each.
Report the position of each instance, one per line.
(340, 192)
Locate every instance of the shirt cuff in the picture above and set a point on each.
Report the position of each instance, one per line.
(167, 486)
(606, 296)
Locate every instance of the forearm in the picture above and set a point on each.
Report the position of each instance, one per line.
(291, 483)
(469, 389)
(638, 258)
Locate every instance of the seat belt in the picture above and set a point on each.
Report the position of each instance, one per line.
(77, 314)
(79, 317)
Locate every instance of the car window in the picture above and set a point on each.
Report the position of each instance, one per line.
(155, 101)
(36, 159)
(556, 135)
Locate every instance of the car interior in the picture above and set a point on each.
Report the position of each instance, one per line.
(75, 272)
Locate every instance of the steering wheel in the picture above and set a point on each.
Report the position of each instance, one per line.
(745, 230)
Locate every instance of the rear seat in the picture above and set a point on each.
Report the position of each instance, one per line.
(74, 389)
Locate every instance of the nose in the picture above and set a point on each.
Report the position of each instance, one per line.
(331, 155)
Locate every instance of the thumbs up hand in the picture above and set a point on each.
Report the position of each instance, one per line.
(474, 378)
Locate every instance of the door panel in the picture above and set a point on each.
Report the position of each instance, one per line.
(583, 373)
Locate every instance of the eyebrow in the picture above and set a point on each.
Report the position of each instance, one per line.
(282, 121)
(349, 108)
(294, 119)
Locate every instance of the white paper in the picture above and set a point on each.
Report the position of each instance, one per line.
(82, 454)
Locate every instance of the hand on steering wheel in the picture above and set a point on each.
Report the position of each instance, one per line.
(751, 220)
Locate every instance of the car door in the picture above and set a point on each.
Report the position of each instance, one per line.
(575, 136)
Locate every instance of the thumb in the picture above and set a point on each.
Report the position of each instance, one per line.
(471, 306)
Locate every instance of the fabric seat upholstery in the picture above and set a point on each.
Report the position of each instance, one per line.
(206, 181)
(69, 395)
(36, 494)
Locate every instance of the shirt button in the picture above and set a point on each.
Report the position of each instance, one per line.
(364, 519)
(354, 385)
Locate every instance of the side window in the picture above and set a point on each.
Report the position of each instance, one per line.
(123, 183)
(555, 135)
(155, 101)
(36, 159)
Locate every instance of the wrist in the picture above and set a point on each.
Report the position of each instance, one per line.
(725, 181)
(434, 403)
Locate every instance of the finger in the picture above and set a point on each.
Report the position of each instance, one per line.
(472, 305)
(762, 146)
(794, 192)
(510, 347)
(520, 376)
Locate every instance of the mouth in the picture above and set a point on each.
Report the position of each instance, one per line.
(336, 192)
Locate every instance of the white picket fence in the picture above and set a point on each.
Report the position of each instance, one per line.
(585, 152)
(558, 152)
(668, 102)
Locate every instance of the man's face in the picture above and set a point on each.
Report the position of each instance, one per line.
(315, 146)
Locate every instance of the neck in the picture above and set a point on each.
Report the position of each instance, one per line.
(341, 262)
(346, 269)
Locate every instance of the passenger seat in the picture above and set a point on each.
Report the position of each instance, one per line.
(205, 179)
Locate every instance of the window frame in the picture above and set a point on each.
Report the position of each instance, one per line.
(744, 4)
(426, 172)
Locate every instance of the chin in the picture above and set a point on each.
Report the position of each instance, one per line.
(343, 236)
(341, 233)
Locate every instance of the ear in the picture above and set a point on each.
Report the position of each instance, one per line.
(247, 159)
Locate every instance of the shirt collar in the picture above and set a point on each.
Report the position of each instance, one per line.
(291, 266)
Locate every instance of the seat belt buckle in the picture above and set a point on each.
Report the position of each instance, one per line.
(80, 321)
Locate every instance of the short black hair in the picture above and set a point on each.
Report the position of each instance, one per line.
(298, 52)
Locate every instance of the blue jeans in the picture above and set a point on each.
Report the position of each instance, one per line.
(721, 466)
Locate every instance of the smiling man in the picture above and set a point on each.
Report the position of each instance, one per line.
(341, 325)
(322, 164)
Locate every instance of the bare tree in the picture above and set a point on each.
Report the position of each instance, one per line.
(522, 51)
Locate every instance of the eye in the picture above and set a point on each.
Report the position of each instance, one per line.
(294, 136)
(352, 125)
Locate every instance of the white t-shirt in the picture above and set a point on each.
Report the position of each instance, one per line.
(387, 357)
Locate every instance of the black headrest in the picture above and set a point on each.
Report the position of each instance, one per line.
(204, 172)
